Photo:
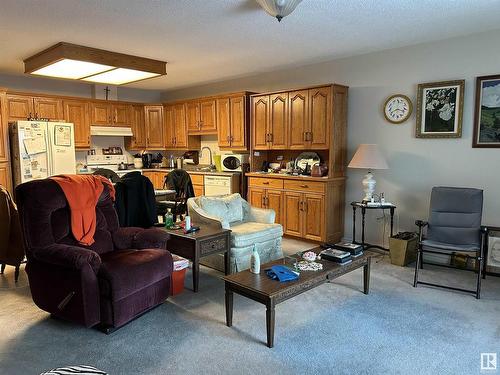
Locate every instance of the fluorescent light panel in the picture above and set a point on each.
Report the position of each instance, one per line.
(120, 76)
(72, 69)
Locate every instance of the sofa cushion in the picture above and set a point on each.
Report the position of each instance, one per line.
(124, 272)
(248, 233)
(228, 207)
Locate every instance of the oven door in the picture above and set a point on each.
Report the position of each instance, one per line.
(231, 163)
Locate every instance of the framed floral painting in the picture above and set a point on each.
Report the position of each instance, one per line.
(440, 109)
(487, 114)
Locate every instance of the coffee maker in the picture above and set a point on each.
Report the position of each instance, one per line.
(191, 157)
(147, 159)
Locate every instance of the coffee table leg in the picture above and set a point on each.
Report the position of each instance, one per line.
(196, 274)
(366, 277)
(229, 307)
(270, 324)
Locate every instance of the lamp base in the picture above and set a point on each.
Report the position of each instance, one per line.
(369, 184)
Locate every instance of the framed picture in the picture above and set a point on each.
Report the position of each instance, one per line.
(440, 109)
(487, 114)
(493, 248)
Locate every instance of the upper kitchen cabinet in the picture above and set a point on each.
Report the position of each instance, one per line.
(296, 120)
(175, 130)
(77, 112)
(110, 114)
(23, 107)
(201, 116)
(4, 128)
(138, 140)
(154, 127)
(232, 122)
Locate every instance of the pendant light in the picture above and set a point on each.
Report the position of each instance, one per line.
(279, 8)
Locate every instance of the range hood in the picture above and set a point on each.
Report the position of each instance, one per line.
(111, 131)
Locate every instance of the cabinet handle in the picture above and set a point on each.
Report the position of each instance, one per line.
(304, 186)
(304, 206)
(301, 206)
(228, 138)
(310, 136)
(304, 136)
(265, 183)
(270, 137)
(29, 118)
(36, 116)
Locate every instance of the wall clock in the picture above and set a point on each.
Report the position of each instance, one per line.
(397, 108)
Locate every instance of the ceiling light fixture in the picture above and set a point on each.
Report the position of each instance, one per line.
(71, 61)
(279, 8)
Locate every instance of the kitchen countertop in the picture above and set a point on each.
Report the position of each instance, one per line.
(290, 177)
(215, 173)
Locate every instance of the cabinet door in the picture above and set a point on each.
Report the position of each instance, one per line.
(100, 114)
(260, 122)
(138, 141)
(159, 178)
(320, 104)
(4, 129)
(19, 107)
(256, 196)
(274, 201)
(314, 217)
(48, 108)
(199, 190)
(292, 217)
(193, 117)
(278, 124)
(154, 126)
(121, 114)
(180, 134)
(208, 116)
(238, 123)
(169, 130)
(5, 176)
(223, 122)
(77, 112)
(299, 119)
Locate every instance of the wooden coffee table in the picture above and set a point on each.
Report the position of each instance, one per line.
(261, 288)
(207, 241)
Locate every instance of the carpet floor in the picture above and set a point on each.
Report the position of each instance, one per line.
(332, 329)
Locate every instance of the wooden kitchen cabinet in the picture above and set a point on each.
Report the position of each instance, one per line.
(4, 128)
(292, 217)
(232, 124)
(299, 119)
(267, 198)
(198, 181)
(224, 122)
(278, 121)
(175, 131)
(110, 114)
(201, 116)
(138, 140)
(260, 122)
(154, 127)
(6, 176)
(121, 114)
(320, 109)
(77, 112)
(156, 178)
(304, 215)
(23, 107)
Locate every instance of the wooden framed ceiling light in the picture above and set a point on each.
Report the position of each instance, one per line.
(71, 61)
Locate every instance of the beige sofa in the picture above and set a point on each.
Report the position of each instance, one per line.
(250, 226)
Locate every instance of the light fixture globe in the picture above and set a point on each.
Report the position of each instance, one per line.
(279, 8)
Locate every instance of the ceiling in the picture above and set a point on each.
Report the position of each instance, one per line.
(212, 40)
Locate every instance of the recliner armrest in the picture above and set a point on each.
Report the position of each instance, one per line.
(140, 238)
(74, 257)
(261, 215)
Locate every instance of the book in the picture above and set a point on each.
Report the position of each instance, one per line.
(352, 248)
(336, 255)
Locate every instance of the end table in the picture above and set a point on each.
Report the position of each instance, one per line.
(365, 207)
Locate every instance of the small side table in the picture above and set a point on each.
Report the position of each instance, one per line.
(365, 207)
(208, 240)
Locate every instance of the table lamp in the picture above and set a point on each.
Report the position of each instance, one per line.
(368, 156)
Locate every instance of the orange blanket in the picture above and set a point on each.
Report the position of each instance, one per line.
(82, 193)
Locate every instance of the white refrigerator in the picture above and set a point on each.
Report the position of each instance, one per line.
(41, 149)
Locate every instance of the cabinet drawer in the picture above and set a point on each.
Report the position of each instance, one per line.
(197, 179)
(214, 245)
(305, 186)
(265, 182)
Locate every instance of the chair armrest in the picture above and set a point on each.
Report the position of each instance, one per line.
(261, 215)
(485, 229)
(200, 216)
(74, 257)
(140, 238)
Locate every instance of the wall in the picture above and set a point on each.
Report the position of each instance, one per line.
(416, 165)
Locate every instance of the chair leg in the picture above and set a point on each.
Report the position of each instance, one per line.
(421, 260)
(417, 264)
(16, 274)
(479, 274)
(2, 269)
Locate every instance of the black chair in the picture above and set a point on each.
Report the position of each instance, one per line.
(454, 226)
(108, 173)
(180, 181)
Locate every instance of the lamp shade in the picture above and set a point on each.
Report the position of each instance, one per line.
(368, 156)
(279, 8)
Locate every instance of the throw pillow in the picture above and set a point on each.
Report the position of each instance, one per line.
(228, 207)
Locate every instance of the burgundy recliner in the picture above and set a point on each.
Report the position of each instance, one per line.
(123, 274)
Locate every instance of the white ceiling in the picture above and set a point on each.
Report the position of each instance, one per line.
(211, 40)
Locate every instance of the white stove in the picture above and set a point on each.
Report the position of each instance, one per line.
(111, 162)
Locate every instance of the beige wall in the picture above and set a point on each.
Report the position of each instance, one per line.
(416, 165)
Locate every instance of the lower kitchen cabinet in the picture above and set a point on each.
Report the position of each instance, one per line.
(156, 178)
(267, 198)
(198, 181)
(6, 176)
(293, 218)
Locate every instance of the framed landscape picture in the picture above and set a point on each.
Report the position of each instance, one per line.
(487, 114)
(493, 248)
(440, 109)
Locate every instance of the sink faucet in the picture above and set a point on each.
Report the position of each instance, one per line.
(211, 166)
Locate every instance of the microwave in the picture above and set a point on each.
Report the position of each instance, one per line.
(234, 162)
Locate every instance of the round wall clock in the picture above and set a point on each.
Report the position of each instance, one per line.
(397, 108)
